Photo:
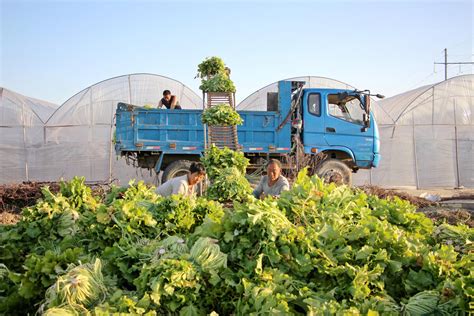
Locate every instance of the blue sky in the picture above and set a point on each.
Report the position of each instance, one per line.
(53, 49)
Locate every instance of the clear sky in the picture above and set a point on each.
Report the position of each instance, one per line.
(53, 49)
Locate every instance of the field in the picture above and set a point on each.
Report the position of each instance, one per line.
(318, 250)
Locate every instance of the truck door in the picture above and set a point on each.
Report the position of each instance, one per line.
(313, 120)
(344, 125)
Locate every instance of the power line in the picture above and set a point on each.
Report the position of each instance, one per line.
(451, 63)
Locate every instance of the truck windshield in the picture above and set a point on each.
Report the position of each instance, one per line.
(348, 108)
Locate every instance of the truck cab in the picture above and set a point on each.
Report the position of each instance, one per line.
(339, 122)
(336, 123)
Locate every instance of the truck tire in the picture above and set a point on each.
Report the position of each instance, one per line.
(333, 170)
(175, 169)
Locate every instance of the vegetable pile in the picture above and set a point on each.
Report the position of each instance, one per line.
(221, 115)
(215, 76)
(226, 171)
(318, 250)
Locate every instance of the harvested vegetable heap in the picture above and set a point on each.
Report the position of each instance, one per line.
(226, 171)
(319, 249)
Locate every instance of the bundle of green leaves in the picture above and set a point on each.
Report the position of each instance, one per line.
(216, 159)
(218, 83)
(210, 67)
(229, 185)
(214, 76)
(221, 115)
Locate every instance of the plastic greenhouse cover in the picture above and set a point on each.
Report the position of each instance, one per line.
(427, 134)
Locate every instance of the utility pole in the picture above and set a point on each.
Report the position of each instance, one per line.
(455, 63)
(445, 64)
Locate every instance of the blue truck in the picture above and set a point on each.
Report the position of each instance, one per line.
(330, 130)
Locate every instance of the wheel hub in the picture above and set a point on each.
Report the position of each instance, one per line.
(333, 176)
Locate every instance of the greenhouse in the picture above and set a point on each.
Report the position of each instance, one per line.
(257, 101)
(427, 137)
(22, 135)
(427, 134)
(44, 142)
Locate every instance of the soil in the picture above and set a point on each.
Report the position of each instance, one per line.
(450, 216)
(15, 197)
(9, 218)
(389, 193)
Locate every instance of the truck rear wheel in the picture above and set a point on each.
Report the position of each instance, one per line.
(333, 170)
(176, 169)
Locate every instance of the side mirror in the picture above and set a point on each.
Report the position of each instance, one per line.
(366, 119)
(366, 116)
(367, 103)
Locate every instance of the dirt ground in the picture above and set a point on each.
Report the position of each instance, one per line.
(445, 194)
(15, 197)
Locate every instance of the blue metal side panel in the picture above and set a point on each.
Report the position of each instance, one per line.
(376, 161)
(160, 127)
(259, 132)
(307, 150)
(155, 130)
(377, 155)
(124, 130)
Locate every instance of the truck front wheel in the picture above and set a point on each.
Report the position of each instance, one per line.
(333, 170)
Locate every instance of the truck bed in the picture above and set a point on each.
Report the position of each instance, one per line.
(181, 131)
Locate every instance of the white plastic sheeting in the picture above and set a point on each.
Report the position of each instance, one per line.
(21, 133)
(257, 101)
(430, 142)
(76, 139)
(427, 134)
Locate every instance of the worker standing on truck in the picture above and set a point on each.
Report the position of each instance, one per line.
(273, 183)
(169, 101)
(185, 184)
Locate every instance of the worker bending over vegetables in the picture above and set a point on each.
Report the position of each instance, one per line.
(273, 183)
(169, 101)
(184, 185)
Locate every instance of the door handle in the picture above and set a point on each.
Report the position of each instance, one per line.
(330, 129)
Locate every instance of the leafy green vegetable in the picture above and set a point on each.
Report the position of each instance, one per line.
(222, 114)
(218, 83)
(215, 160)
(458, 236)
(82, 285)
(210, 67)
(207, 254)
(214, 76)
(320, 249)
(229, 185)
(423, 303)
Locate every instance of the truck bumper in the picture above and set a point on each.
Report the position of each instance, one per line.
(376, 160)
